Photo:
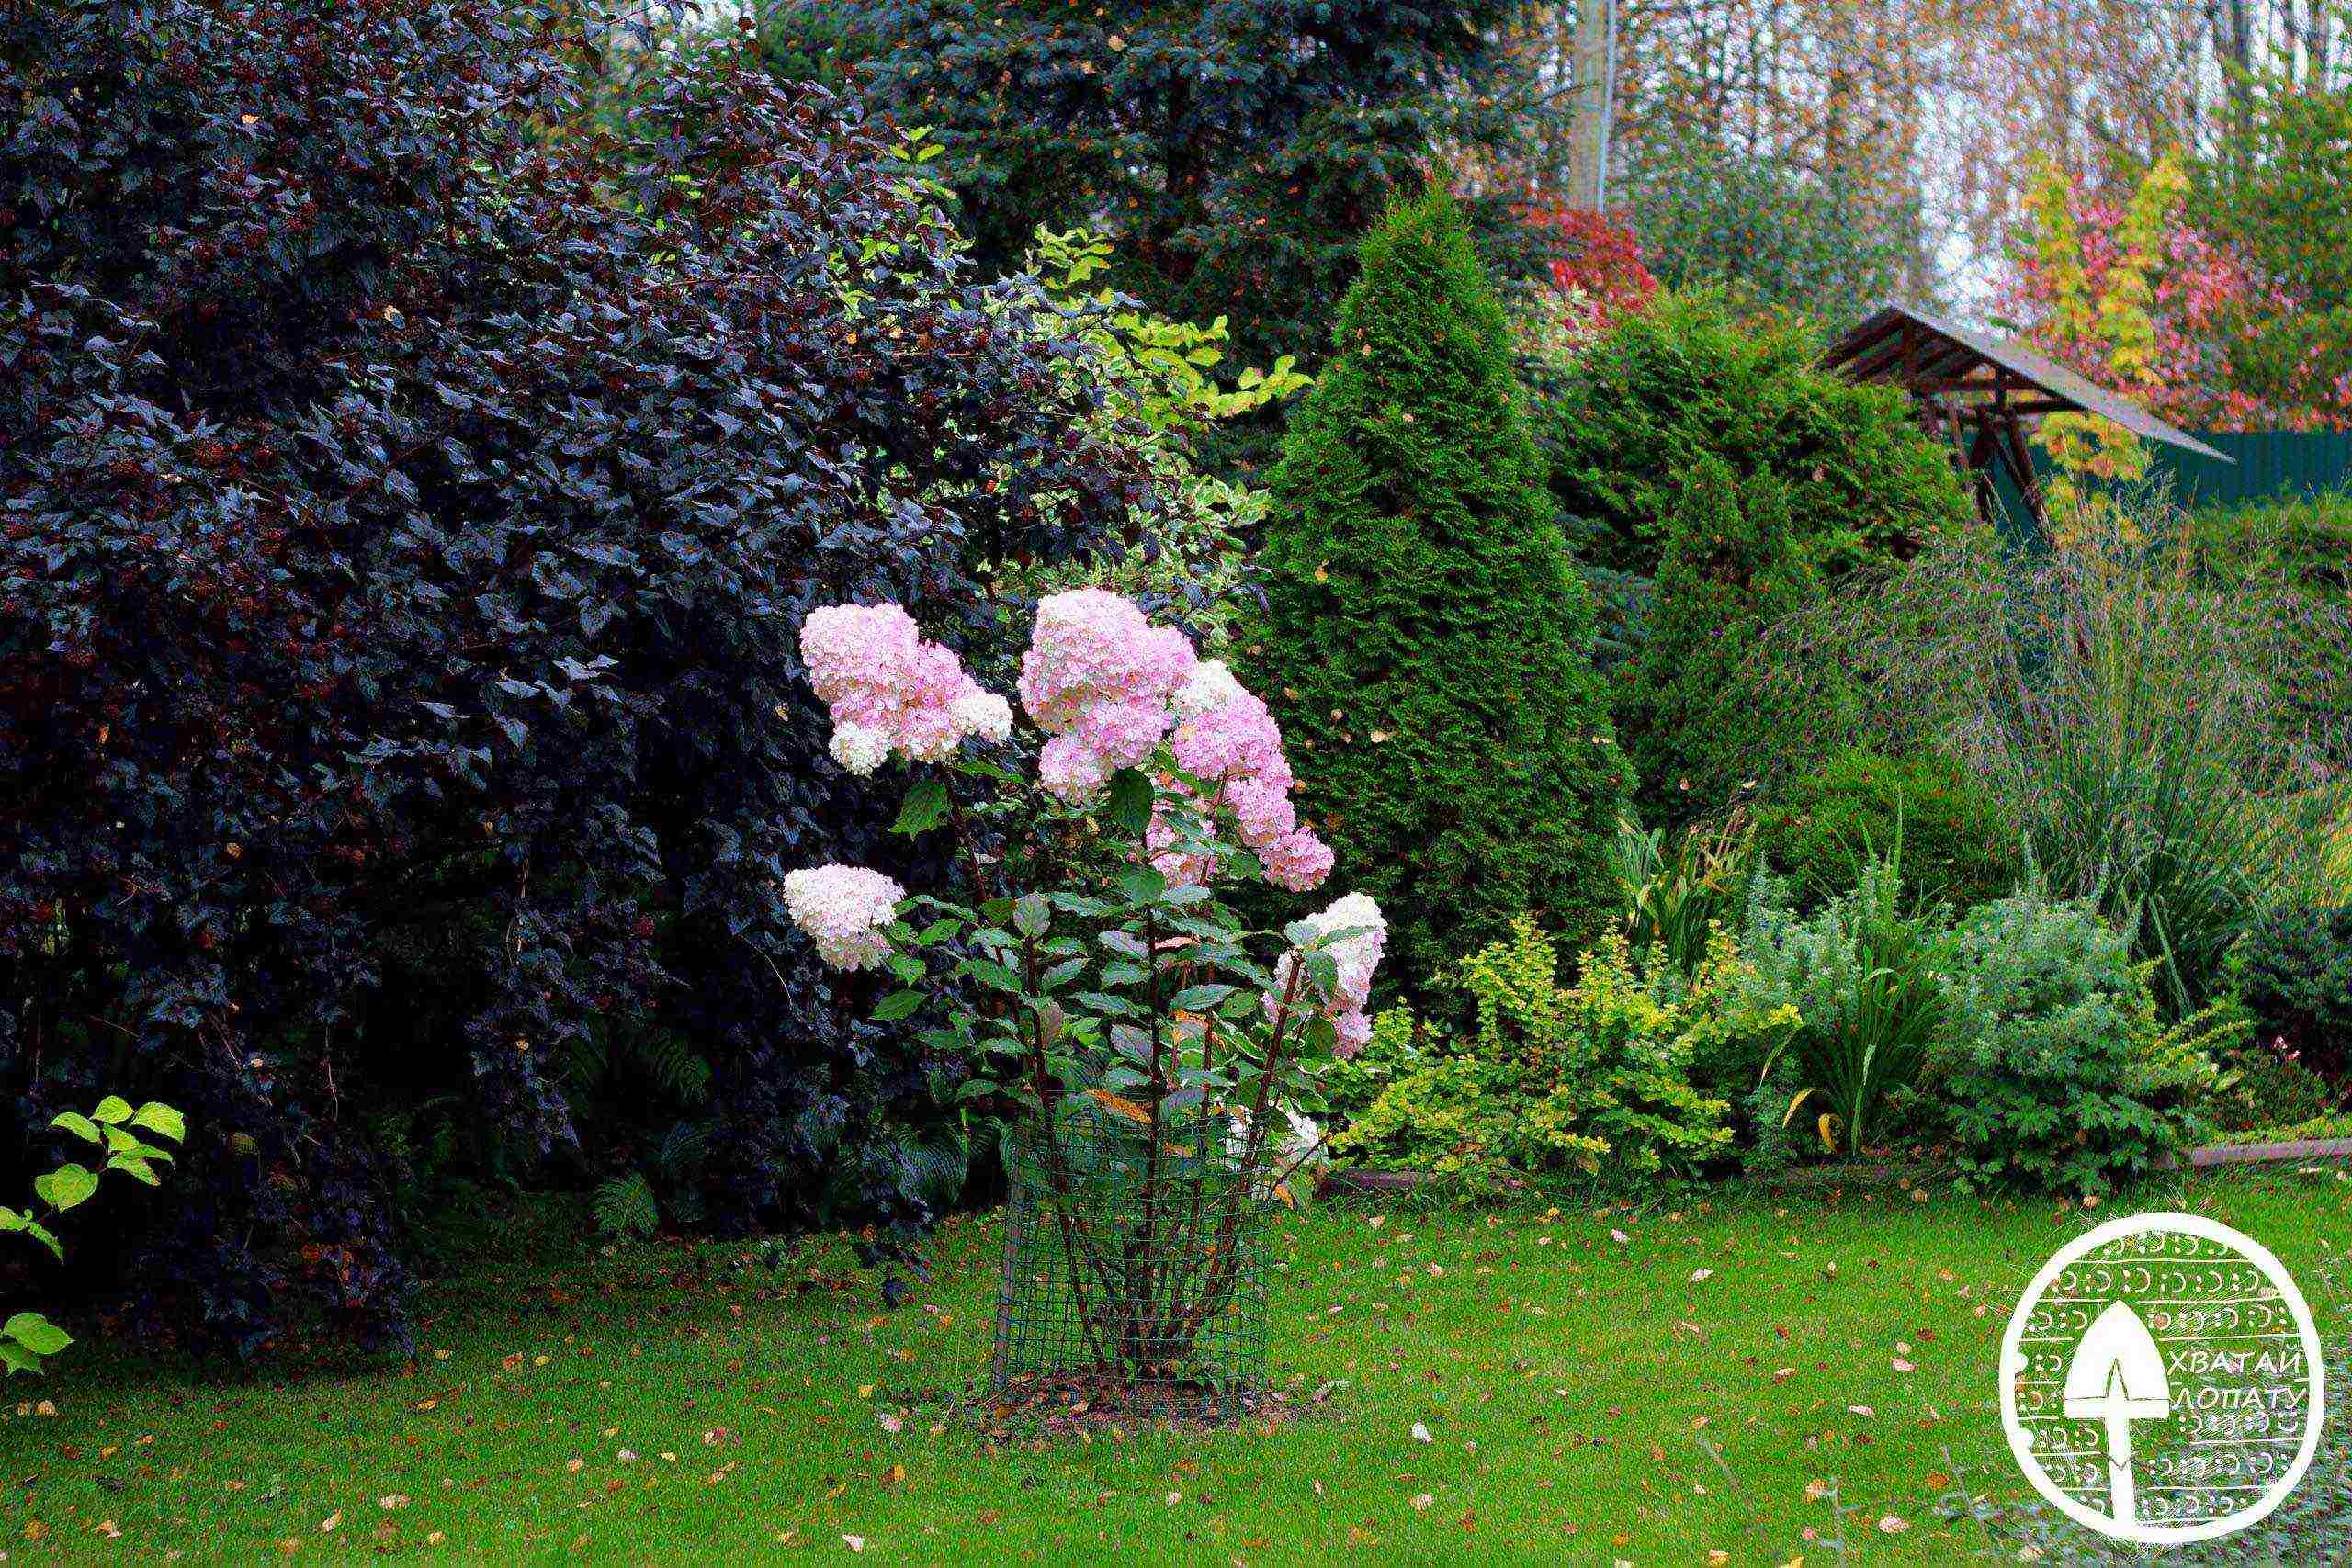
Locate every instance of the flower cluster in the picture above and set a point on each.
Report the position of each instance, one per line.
(1356, 957)
(1227, 739)
(1098, 678)
(1293, 1143)
(890, 691)
(844, 909)
(1106, 686)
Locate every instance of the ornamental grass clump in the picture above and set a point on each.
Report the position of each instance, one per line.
(1155, 1058)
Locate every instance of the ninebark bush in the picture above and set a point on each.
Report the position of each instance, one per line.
(411, 491)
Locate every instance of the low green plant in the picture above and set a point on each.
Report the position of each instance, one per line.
(1820, 831)
(27, 1338)
(2293, 970)
(1351, 1083)
(2267, 1091)
(2056, 1071)
(1679, 889)
(2308, 538)
(636, 1202)
(1593, 1078)
(1861, 974)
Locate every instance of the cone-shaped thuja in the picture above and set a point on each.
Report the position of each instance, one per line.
(1428, 643)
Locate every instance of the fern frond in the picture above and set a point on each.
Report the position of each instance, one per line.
(625, 1206)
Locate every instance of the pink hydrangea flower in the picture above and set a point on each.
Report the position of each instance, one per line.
(1100, 676)
(843, 910)
(889, 691)
(1235, 738)
(1357, 957)
(1230, 741)
(1297, 861)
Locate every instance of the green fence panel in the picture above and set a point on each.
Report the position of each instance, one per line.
(2264, 465)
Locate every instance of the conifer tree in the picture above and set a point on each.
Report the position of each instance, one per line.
(1428, 645)
(1234, 154)
(1732, 568)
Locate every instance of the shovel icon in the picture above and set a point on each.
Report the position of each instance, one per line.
(2117, 1378)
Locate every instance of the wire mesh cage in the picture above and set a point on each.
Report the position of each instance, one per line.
(1134, 1268)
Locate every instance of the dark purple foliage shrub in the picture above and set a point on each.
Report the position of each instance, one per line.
(410, 493)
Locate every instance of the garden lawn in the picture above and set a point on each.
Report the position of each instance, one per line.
(1568, 1370)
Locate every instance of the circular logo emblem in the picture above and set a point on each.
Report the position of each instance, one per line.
(2161, 1381)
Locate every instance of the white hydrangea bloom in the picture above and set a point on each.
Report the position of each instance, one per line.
(983, 714)
(1210, 687)
(843, 910)
(860, 748)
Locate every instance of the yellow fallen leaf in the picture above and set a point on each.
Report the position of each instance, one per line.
(1126, 1108)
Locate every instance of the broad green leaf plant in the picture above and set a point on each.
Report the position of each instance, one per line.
(1164, 376)
(27, 1338)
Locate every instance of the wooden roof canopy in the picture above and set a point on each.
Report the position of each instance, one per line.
(1976, 391)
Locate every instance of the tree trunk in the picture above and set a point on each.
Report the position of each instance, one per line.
(1586, 182)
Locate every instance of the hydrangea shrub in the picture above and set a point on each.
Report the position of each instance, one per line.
(1156, 1056)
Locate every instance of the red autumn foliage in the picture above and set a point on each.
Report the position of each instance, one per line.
(1595, 256)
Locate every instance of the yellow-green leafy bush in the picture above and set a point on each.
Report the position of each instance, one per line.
(1592, 1078)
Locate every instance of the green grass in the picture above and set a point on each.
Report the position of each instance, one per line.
(1567, 1381)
